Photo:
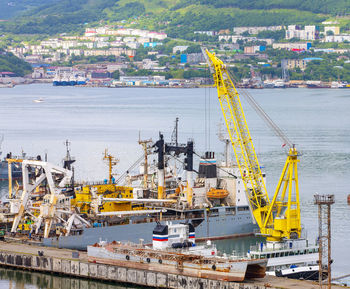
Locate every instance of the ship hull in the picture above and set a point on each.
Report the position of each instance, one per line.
(192, 263)
(305, 273)
(213, 227)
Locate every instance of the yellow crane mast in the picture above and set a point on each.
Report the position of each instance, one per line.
(112, 161)
(279, 218)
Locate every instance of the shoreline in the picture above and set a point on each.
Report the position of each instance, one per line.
(46, 81)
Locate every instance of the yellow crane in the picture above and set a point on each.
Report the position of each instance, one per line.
(279, 218)
(112, 161)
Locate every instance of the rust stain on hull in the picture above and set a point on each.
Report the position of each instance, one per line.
(214, 275)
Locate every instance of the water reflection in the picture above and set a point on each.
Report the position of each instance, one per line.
(10, 278)
(239, 246)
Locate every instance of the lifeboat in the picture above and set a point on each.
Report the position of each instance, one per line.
(217, 193)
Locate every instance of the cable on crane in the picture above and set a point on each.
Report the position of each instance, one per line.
(130, 168)
(265, 117)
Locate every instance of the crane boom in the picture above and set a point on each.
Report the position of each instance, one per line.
(241, 140)
(279, 218)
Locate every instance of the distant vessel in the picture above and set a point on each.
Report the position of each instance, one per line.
(68, 79)
(6, 85)
(338, 84)
(316, 84)
(269, 84)
(64, 80)
(38, 100)
(279, 83)
(81, 80)
(72, 80)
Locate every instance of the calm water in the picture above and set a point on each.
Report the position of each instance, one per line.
(317, 121)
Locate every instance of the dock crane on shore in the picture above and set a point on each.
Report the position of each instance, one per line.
(278, 219)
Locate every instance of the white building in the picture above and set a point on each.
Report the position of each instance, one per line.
(102, 44)
(149, 64)
(180, 48)
(132, 44)
(337, 38)
(292, 46)
(334, 29)
(209, 33)
(235, 38)
(256, 29)
(309, 32)
(129, 39)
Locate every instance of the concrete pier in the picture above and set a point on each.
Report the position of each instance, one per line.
(62, 261)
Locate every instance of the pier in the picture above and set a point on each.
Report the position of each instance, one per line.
(75, 264)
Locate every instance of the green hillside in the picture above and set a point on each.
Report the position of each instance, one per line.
(177, 17)
(9, 62)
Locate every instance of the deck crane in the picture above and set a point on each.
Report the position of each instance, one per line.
(278, 219)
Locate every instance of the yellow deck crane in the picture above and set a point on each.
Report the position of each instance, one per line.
(277, 219)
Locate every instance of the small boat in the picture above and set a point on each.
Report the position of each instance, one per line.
(38, 100)
(174, 251)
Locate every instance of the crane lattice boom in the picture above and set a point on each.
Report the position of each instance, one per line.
(241, 140)
(281, 217)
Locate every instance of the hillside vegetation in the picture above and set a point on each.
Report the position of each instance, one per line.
(177, 17)
(9, 62)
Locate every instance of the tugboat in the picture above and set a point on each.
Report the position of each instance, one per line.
(174, 251)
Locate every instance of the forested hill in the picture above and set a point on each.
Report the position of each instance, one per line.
(335, 7)
(175, 16)
(9, 62)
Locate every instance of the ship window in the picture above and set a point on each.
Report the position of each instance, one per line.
(268, 256)
(273, 255)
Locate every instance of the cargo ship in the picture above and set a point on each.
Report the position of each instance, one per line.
(61, 213)
(68, 79)
(218, 210)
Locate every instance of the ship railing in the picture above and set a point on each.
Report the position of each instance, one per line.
(147, 251)
(284, 248)
(22, 158)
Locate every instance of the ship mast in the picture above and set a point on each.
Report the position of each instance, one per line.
(146, 146)
(112, 161)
